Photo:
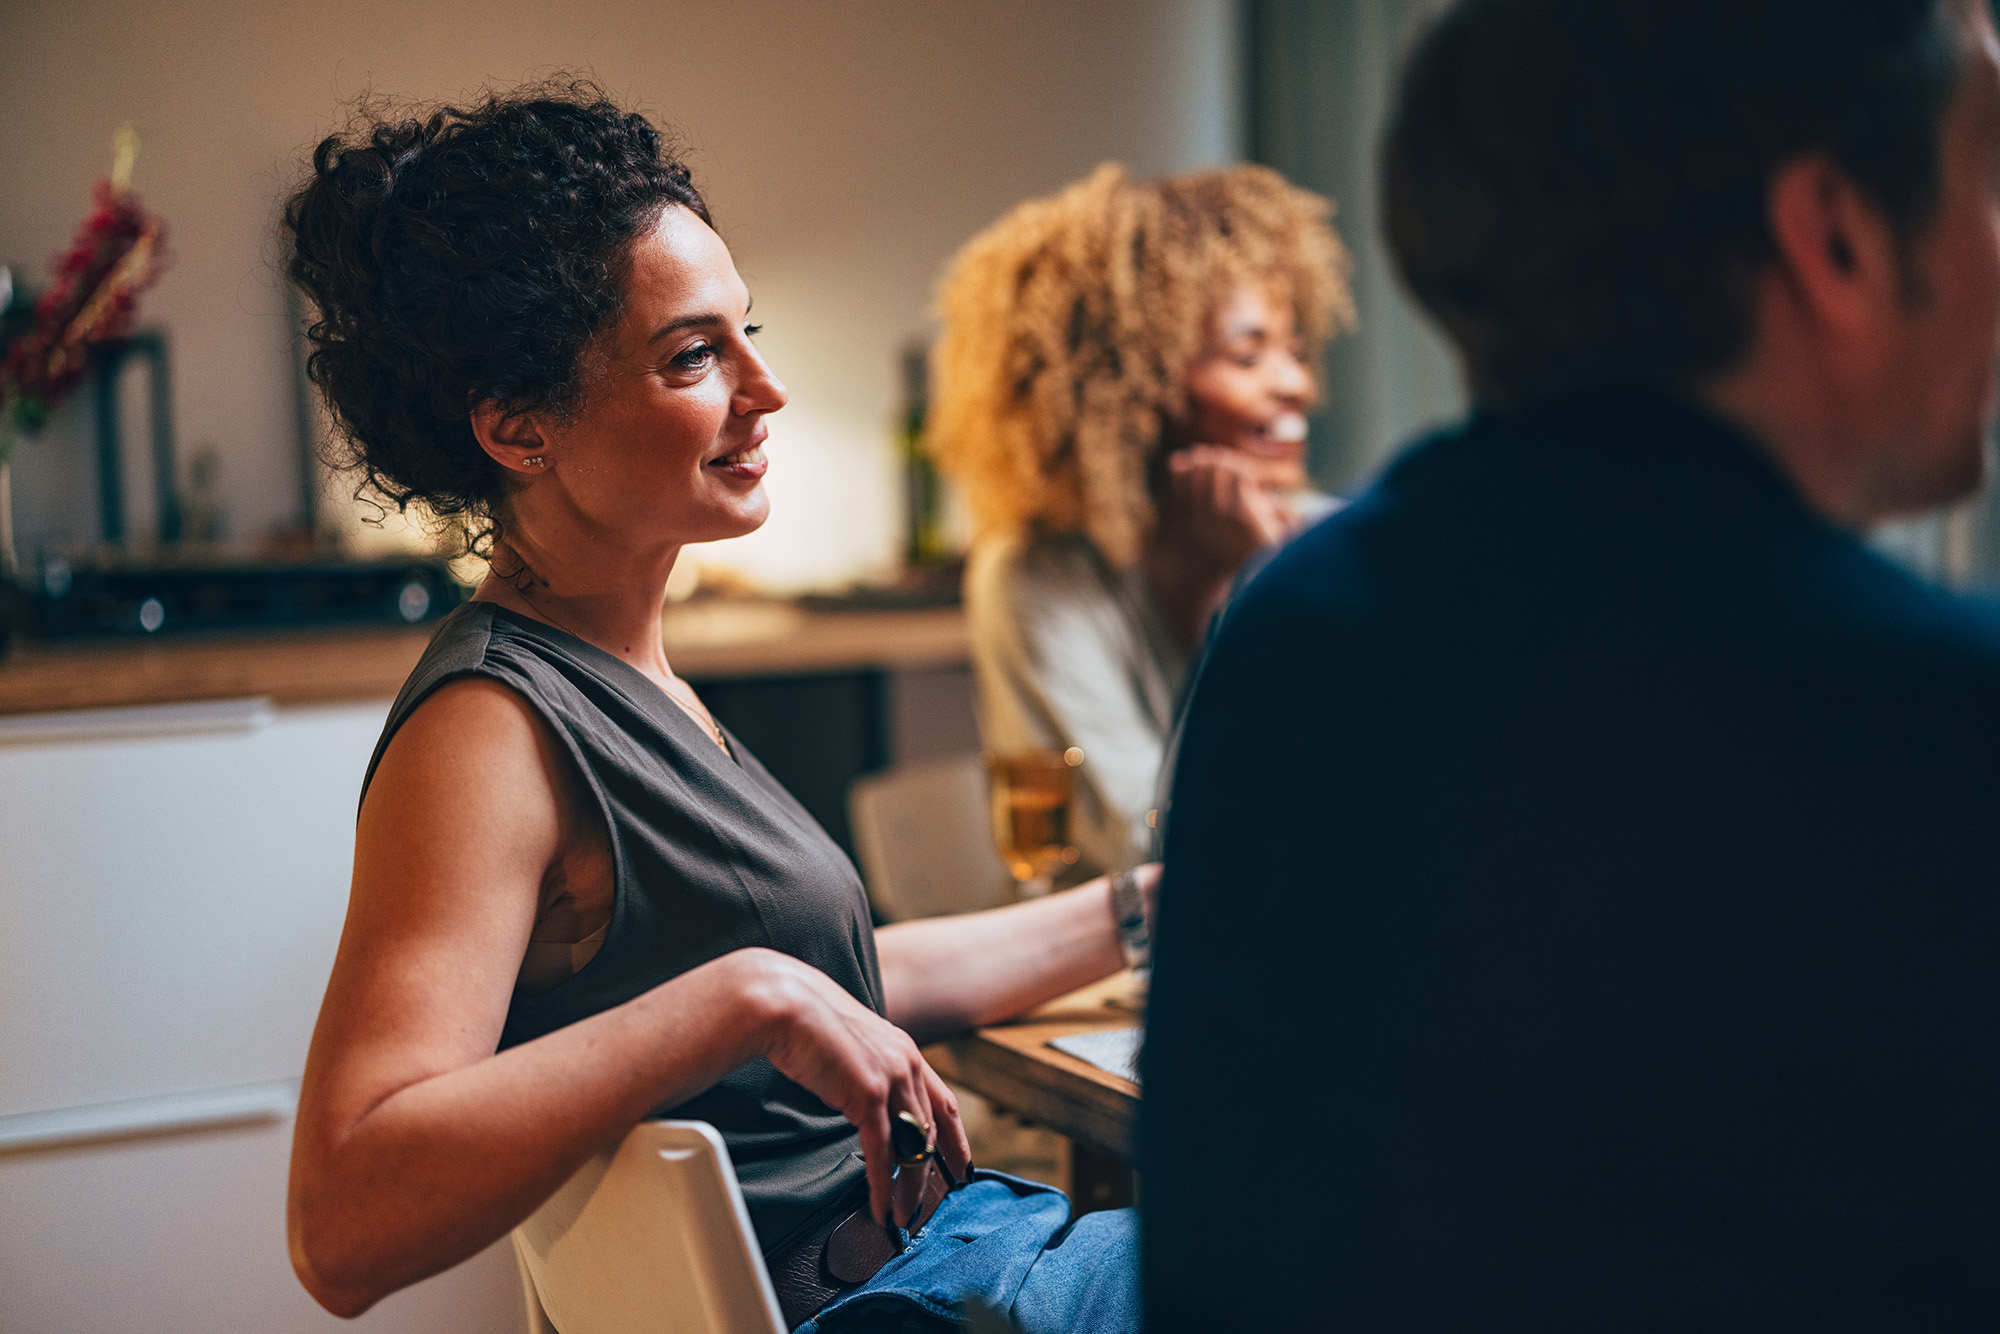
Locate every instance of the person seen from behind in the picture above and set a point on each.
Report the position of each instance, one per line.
(1582, 890)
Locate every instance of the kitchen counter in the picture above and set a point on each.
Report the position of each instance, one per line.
(705, 639)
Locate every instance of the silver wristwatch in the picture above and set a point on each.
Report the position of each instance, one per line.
(1128, 909)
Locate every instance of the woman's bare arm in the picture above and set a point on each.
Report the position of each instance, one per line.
(943, 975)
(416, 1145)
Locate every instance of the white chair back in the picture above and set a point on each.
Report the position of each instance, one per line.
(651, 1238)
(925, 838)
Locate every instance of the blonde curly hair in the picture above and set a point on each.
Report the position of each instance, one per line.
(1070, 323)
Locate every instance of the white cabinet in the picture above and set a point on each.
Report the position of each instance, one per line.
(172, 882)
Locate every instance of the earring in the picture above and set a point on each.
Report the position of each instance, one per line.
(532, 461)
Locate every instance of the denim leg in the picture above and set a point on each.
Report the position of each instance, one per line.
(1000, 1257)
(1088, 1279)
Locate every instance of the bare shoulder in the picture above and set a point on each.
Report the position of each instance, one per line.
(457, 828)
(465, 808)
(472, 715)
(472, 742)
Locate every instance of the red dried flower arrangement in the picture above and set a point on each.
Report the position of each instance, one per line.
(118, 253)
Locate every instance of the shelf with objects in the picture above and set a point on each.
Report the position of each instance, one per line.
(81, 330)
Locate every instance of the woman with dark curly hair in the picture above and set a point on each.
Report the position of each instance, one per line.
(577, 900)
(1121, 390)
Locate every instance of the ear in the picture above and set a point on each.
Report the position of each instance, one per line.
(514, 440)
(1836, 250)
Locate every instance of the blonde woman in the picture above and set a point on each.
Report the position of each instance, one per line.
(1121, 390)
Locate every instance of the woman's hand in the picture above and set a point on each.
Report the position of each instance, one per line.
(857, 1063)
(1224, 503)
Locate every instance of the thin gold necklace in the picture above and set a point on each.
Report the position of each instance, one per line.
(692, 706)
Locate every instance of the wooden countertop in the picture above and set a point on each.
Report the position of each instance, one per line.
(704, 639)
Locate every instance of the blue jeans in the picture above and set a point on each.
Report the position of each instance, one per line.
(1001, 1254)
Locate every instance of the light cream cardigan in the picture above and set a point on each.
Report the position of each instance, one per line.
(1070, 652)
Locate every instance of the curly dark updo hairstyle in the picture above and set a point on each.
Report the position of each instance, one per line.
(466, 255)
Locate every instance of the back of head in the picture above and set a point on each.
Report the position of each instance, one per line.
(1576, 189)
(455, 255)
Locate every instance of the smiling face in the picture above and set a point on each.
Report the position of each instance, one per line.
(1249, 389)
(666, 445)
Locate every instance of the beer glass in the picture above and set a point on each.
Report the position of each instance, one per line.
(1032, 791)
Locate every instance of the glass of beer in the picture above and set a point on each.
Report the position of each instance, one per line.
(1032, 791)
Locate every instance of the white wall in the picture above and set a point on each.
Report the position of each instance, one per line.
(847, 146)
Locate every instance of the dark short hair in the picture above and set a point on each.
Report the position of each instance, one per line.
(466, 255)
(1577, 189)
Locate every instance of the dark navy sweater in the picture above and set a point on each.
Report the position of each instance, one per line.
(1582, 911)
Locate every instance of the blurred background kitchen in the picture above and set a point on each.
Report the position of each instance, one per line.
(204, 630)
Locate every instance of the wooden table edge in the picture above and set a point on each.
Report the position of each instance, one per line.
(1013, 1065)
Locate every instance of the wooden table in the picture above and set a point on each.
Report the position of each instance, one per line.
(1013, 1065)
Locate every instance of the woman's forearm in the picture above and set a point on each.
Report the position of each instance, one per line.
(943, 975)
(444, 1166)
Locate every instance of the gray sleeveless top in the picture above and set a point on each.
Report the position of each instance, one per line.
(710, 854)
